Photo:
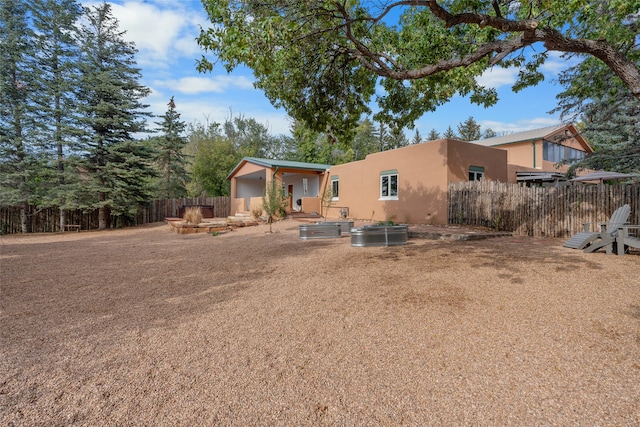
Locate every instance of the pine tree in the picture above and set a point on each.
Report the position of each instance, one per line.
(22, 167)
(469, 130)
(110, 95)
(170, 156)
(57, 61)
(450, 133)
(417, 138)
(433, 135)
(608, 115)
(397, 138)
(364, 142)
(489, 133)
(613, 129)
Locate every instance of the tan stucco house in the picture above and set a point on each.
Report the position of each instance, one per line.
(408, 184)
(535, 155)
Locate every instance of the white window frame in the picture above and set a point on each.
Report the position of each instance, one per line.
(336, 180)
(388, 185)
(476, 173)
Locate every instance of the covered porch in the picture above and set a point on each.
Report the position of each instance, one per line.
(303, 185)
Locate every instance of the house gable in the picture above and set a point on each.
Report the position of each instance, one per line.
(540, 149)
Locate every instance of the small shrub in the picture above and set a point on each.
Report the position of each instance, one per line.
(256, 212)
(274, 202)
(193, 215)
(497, 223)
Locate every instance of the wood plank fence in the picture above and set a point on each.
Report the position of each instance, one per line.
(539, 211)
(48, 219)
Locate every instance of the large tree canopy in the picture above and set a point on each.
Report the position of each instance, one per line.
(322, 59)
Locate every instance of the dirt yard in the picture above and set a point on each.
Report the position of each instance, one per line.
(147, 327)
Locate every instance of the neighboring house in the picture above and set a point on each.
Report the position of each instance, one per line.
(408, 184)
(302, 183)
(536, 155)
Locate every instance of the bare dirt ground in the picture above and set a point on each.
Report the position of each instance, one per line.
(146, 327)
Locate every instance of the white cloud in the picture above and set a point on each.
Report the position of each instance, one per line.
(556, 64)
(195, 85)
(213, 110)
(496, 77)
(519, 125)
(161, 32)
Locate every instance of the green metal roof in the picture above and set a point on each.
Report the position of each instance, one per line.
(270, 163)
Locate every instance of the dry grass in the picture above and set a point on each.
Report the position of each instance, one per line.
(193, 215)
(148, 327)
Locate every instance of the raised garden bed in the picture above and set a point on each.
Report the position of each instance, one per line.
(320, 230)
(345, 226)
(379, 235)
(180, 226)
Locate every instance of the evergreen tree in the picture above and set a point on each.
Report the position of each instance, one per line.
(57, 63)
(22, 166)
(433, 135)
(450, 133)
(170, 157)
(383, 137)
(396, 138)
(469, 130)
(110, 95)
(364, 141)
(489, 133)
(608, 115)
(417, 138)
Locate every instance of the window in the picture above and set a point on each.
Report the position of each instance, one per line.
(334, 188)
(558, 153)
(389, 185)
(476, 173)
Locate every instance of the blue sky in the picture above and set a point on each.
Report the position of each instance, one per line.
(164, 32)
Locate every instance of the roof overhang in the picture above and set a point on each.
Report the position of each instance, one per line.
(539, 176)
(279, 164)
(603, 176)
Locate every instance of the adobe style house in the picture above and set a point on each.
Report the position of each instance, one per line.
(302, 184)
(408, 184)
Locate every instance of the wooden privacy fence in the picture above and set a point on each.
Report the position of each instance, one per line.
(158, 210)
(539, 211)
(48, 219)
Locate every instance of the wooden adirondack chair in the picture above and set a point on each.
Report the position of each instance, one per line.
(605, 238)
(624, 241)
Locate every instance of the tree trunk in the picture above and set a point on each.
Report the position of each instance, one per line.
(63, 219)
(24, 225)
(103, 214)
(103, 220)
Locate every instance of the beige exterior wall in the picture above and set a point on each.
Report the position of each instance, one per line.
(424, 172)
(462, 155)
(529, 155)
